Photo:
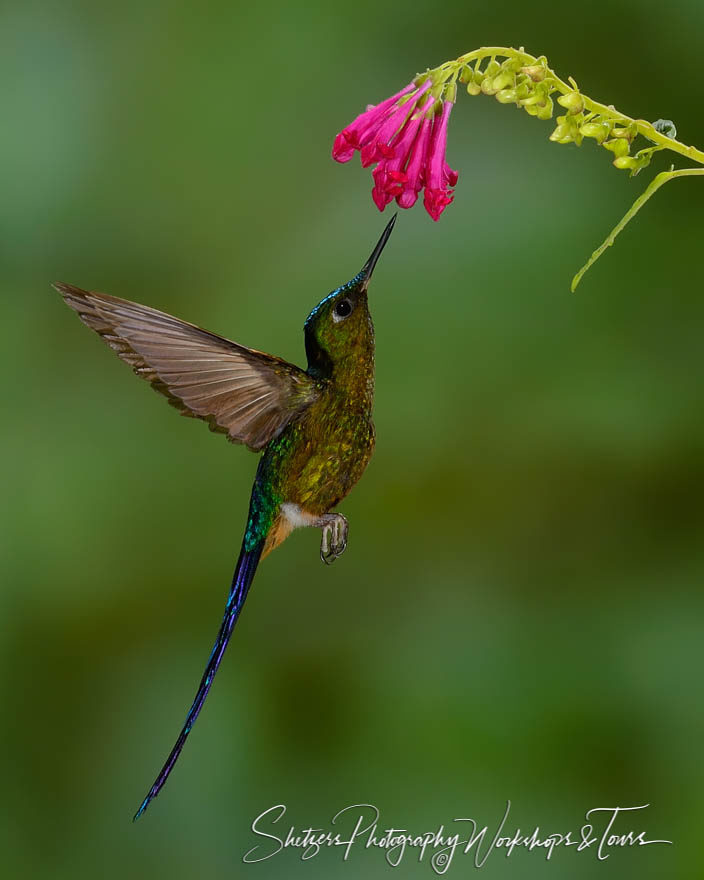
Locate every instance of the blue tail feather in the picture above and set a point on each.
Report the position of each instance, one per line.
(241, 582)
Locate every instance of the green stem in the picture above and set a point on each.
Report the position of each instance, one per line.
(642, 126)
(588, 108)
(654, 186)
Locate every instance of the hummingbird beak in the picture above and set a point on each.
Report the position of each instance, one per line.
(368, 268)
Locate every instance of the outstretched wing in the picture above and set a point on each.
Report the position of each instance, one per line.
(246, 394)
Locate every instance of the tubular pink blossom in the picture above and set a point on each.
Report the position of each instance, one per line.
(435, 201)
(386, 184)
(416, 163)
(450, 174)
(389, 177)
(438, 144)
(380, 145)
(388, 180)
(381, 199)
(342, 150)
(407, 143)
(367, 121)
(366, 132)
(389, 174)
(437, 191)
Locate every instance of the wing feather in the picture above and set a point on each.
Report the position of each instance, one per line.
(247, 394)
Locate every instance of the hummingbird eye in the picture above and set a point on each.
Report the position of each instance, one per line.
(341, 310)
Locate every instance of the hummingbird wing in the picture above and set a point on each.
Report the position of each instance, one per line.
(247, 394)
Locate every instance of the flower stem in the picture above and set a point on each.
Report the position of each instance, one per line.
(584, 117)
(653, 187)
(643, 127)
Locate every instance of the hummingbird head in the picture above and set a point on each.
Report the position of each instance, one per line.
(340, 326)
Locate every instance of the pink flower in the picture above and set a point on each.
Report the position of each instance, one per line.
(450, 174)
(386, 185)
(389, 176)
(416, 167)
(440, 177)
(360, 132)
(408, 143)
(380, 146)
(342, 150)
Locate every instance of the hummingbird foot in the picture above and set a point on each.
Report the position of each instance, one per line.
(334, 540)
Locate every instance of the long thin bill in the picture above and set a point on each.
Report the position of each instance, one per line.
(366, 272)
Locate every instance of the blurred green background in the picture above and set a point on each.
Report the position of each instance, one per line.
(519, 613)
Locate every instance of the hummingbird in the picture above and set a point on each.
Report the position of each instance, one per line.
(314, 426)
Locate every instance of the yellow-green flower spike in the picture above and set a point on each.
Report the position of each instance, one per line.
(514, 76)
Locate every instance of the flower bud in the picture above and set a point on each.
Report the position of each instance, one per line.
(437, 90)
(512, 65)
(535, 72)
(488, 86)
(450, 92)
(562, 132)
(474, 88)
(544, 111)
(622, 132)
(597, 130)
(572, 102)
(503, 81)
(641, 160)
(625, 162)
(466, 74)
(618, 147)
(506, 96)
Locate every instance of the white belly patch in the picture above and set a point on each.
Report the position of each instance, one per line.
(295, 516)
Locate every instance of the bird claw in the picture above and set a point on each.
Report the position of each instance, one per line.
(334, 540)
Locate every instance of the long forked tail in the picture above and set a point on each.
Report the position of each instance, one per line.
(241, 582)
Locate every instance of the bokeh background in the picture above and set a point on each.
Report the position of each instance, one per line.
(519, 614)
